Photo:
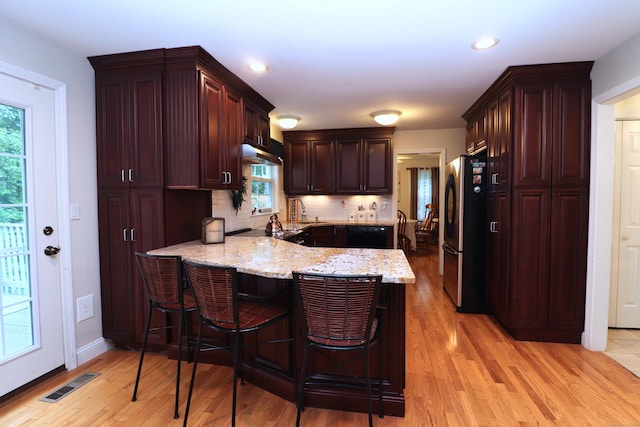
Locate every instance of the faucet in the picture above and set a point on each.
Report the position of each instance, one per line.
(296, 205)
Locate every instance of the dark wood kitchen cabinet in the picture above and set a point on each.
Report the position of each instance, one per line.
(130, 102)
(168, 121)
(309, 166)
(538, 142)
(475, 137)
(204, 115)
(357, 161)
(257, 126)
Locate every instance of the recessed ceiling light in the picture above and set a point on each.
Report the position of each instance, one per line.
(257, 66)
(485, 42)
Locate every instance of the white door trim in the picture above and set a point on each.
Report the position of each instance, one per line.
(442, 163)
(62, 168)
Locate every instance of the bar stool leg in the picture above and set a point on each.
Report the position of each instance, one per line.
(144, 345)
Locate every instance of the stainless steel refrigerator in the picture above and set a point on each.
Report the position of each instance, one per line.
(465, 205)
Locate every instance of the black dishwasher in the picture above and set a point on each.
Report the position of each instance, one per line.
(369, 236)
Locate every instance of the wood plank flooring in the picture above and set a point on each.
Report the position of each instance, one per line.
(462, 370)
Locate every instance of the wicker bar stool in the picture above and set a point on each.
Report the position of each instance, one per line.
(338, 314)
(224, 309)
(163, 281)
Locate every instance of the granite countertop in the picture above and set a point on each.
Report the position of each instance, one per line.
(275, 258)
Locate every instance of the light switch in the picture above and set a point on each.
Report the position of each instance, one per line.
(74, 209)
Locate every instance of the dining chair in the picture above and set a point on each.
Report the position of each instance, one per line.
(224, 309)
(338, 314)
(165, 288)
(427, 233)
(404, 242)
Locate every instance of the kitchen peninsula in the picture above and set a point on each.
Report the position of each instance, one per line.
(265, 266)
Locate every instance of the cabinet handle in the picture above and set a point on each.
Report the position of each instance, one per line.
(230, 178)
(124, 234)
(122, 175)
(494, 178)
(493, 227)
(132, 233)
(130, 175)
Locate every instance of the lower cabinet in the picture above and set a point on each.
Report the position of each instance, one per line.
(138, 220)
(537, 271)
(129, 221)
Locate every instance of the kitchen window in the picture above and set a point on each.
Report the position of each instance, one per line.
(263, 188)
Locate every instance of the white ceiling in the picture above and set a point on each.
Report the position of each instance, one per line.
(333, 62)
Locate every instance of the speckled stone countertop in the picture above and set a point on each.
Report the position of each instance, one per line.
(274, 258)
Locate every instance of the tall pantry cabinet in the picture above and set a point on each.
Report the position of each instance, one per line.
(135, 211)
(538, 146)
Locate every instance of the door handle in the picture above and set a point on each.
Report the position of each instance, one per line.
(51, 250)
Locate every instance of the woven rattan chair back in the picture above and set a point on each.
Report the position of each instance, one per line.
(215, 289)
(338, 310)
(161, 276)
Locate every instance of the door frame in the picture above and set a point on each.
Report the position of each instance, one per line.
(62, 184)
(442, 164)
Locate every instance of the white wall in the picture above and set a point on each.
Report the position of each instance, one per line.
(25, 49)
(613, 76)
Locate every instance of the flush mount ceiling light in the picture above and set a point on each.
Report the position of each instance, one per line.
(257, 66)
(288, 121)
(485, 42)
(386, 117)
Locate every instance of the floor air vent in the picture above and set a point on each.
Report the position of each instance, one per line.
(69, 387)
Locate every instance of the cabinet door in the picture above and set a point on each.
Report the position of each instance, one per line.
(212, 147)
(476, 132)
(568, 254)
(145, 153)
(251, 135)
(233, 136)
(112, 117)
(119, 321)
(498, 247)
(572, 136)
(322, 236)
(377, 165)
(499, 143)
(529, 265)
(129, 129)
(257, 128)
(532, 135)
(297, 170)
(146, 233)
(264, 129)
(349, 166)
(323, 159)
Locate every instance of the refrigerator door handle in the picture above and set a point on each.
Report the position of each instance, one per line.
(449, 249)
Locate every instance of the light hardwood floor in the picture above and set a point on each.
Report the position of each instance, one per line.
(462, 370)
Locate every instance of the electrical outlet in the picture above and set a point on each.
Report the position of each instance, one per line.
(84, 306)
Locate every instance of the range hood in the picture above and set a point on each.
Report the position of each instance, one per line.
(254, 155)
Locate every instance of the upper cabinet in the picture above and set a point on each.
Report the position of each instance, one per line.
(339, 161)
(129, 122)
(476, 138)
(257, 128)
(207, 121)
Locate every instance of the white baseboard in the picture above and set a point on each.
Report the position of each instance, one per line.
(91, 350)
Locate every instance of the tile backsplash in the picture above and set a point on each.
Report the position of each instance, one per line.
(323, 207)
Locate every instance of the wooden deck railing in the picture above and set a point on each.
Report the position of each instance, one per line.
(14, 261)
